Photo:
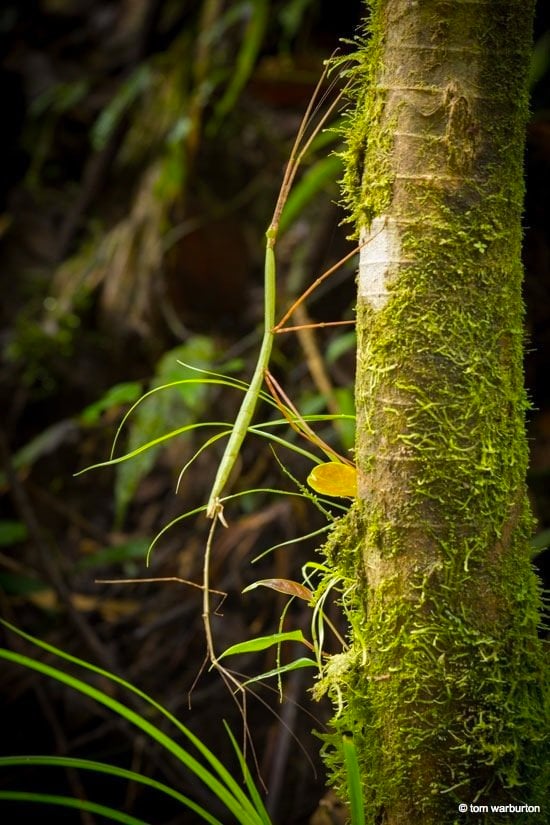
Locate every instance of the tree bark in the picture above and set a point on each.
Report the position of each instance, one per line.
(443, 686)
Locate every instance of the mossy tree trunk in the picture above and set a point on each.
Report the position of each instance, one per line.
(443, 686)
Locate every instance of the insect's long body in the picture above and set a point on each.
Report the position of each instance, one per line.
(250, 399)
(244, 417)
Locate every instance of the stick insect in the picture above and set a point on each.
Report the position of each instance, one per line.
(214, 509)
(301, 145)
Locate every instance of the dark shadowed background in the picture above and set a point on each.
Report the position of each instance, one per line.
(143, 145)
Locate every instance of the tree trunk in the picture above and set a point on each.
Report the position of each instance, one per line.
(443, 686)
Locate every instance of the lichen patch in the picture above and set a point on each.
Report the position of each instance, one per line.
(378, 258)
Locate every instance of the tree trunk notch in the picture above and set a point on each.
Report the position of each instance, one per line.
(443, 687)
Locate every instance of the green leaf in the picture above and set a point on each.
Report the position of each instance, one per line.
(16, 584)
(44, 443)
(135, 548)
(12, 532)
(59, 98)
(540, 59)
(346, 424)
(291, 17)
(354, 782)
(315, 179)
(228, 791)
(110, 117)
(243, 65)
(286, 586)
(113, 770)
(252, 790)
(263, 642)
(278, 671)
(125, 393)
(540, 542)
(71, 802)
(339, 345)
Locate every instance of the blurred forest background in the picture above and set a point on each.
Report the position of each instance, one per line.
(143, 145)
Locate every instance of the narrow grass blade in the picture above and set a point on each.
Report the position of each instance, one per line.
(112, 770)
(354, 782)
(258, 429)
(197, 453)
(230, 792)
(71, 802)
(333, 504)
(252, 789)
(278, 671)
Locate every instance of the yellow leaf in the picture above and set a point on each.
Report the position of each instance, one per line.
(334, 479)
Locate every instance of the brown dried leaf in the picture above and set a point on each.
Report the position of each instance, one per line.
(287, 586)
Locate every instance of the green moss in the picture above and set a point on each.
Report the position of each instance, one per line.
(445, 687)
(366, 183)
(422, 676)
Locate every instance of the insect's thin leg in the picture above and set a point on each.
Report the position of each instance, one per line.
(316, 325)
(300, 300)
(206, 593)
(279, 326)
(296, 421)
(236, 689)
(157, 579)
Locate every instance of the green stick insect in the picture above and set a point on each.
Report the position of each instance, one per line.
(242, 422)
(214, 509)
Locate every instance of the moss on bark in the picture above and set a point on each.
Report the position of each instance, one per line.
(444, 686)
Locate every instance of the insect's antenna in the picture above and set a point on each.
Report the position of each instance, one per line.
(300, 147)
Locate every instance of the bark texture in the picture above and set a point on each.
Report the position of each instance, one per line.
(443, 687)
